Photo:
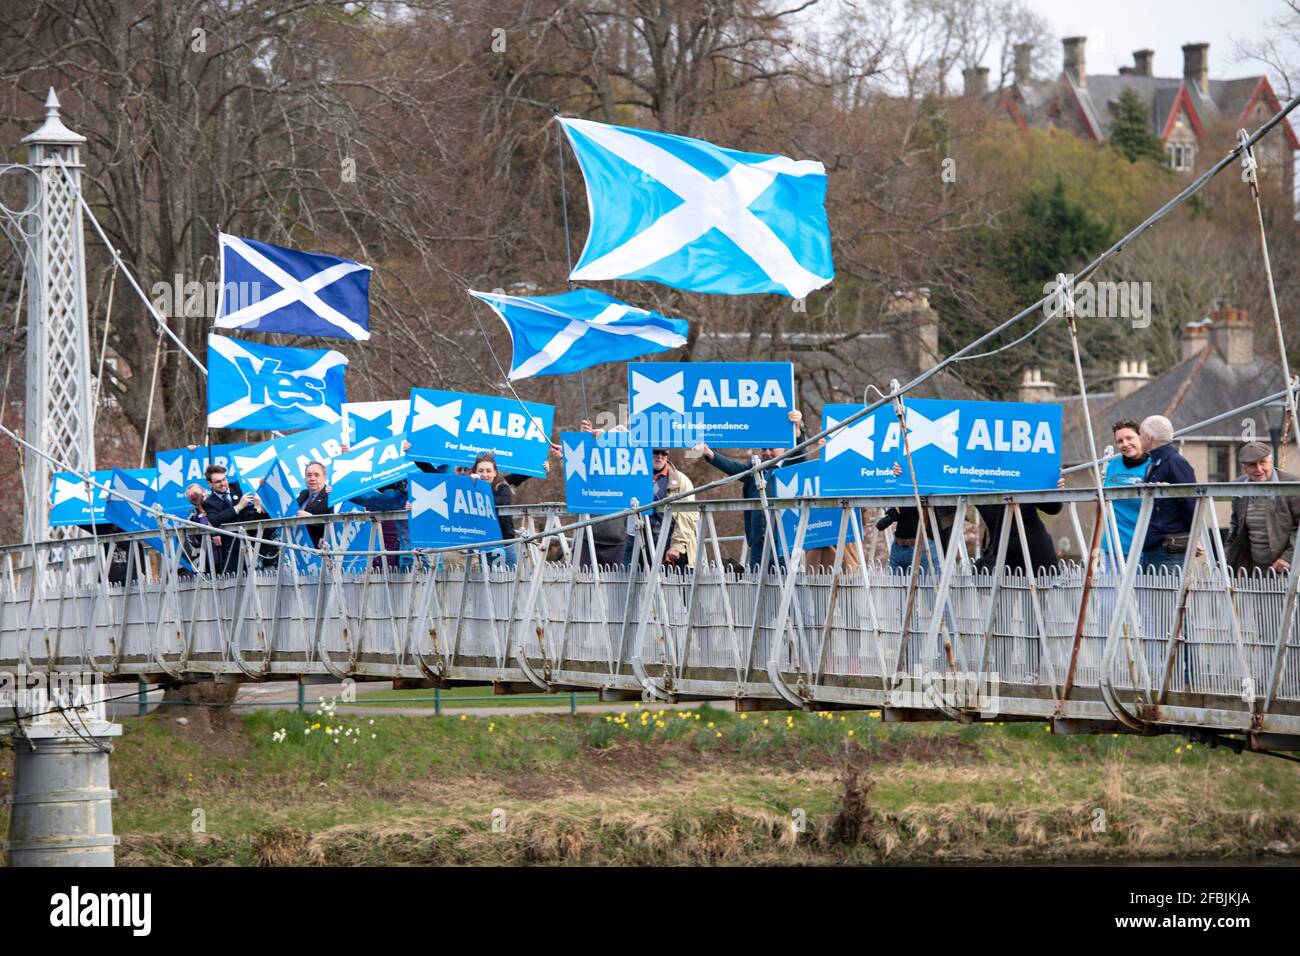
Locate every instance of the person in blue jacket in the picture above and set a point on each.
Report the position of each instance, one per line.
(1128, 467)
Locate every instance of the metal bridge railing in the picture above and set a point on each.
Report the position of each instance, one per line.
(1201, 647)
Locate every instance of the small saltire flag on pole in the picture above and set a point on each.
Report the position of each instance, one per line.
(700, 217)
(268, 288)
(272, 387)
(558, 334)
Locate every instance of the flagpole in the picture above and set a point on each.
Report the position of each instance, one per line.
(568, 252)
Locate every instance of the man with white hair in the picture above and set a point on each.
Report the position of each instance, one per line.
(1171, 518)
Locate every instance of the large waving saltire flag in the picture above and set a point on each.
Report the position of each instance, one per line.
(273, 387)
(268, 288)
(700, 217)
(557, 334)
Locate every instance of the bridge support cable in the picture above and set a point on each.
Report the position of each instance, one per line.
(1250, 170)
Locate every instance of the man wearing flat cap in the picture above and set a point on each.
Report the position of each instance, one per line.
(1262, 531)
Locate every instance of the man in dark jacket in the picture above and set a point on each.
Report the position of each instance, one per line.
(1171, 518)
(229, 504)
(314, 500)
(755, 524)
(1262, 531)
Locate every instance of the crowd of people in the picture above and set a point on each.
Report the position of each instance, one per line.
(1262, 532)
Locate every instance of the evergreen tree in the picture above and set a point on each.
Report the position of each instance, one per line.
(1130, 130)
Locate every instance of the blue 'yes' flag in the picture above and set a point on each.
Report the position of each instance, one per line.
(559, 334)
(272, 387)
(268, 288)
(722, 404)
(603, 475)
(451, 511)
(823, 529)
(72, 504)
(365, 469)
(700, 217)
(955, 446)
(452, 428)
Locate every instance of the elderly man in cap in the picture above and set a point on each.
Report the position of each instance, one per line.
(1262, 531)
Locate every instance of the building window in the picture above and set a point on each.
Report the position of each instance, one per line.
(1218, 462)
(1182, 156)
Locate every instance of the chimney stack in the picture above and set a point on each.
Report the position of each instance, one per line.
(1132, 376)
(1235, 336)
(976, 79)
(1024, 52)
(1196, 336)
(1033, 388)
(1142, 62)
(1075, 68)
(1196, 67)
(911, 317)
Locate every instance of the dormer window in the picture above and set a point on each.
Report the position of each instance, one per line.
(1182, 156)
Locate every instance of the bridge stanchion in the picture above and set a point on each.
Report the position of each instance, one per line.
(143, 699)
(573, 703)
(437, 702)
(60, 810)
(302, 697)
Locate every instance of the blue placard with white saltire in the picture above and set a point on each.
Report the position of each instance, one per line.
(603, 475)
(697, 216)
(349, 540)
(268, 288)
(273, 387)
(955, 446)
(452, 428)
(178, 468)
(72, 504)
(365, 469)
(452, 511)
(804, 481)
(722, 404)
(279, 500)
(252, 463)
(560, 334)
(367, 422)
(322, 444)
(130, 506)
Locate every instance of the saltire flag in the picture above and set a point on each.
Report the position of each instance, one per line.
(132, 505)
(558, 334)
(700, 217)
(273, 387)
(267, 288)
